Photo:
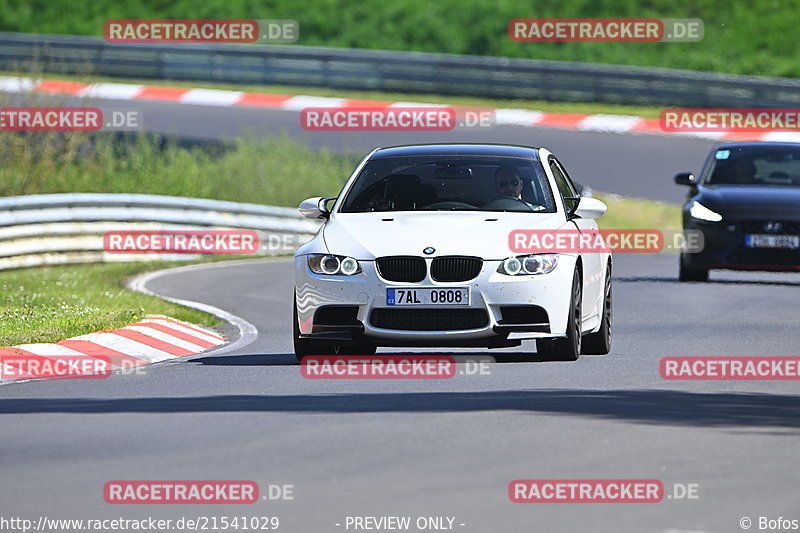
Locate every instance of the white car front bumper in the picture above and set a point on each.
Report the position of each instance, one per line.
(491, 293)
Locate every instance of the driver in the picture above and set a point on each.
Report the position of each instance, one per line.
(508, 182)
(743, 171)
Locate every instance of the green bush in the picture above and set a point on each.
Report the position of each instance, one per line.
(277, 171)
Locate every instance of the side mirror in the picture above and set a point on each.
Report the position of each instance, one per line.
(315, 207)
(685, 178)
(589, 208)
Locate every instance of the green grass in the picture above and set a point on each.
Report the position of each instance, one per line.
(637, 213)
(757, 37)
(48, 304)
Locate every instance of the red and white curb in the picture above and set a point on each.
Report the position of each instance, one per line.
(225, 98)
(154, 339)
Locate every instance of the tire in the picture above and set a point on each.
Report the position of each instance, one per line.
(568, 348)
(691, 274)
(305, 347)
(599, 343)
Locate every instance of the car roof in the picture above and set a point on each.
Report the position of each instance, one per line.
(456, 149)
(757, 144)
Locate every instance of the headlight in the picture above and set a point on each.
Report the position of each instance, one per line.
(333, 265)
(701, 212)
(511, 266)
(523, 265)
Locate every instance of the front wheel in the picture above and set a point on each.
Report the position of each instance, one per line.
(569, 347)
(599, 343)
(691, 274)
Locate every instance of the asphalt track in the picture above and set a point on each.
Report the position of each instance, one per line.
(427, 447)
(441, 448)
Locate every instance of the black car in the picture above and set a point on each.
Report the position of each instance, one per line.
(746, 202)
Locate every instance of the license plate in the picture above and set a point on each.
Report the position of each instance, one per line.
(790, 242)
(428, 296)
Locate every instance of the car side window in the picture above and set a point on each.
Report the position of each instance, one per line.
(565, 187)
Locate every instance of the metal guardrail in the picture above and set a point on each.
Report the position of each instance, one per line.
(68, 228)
(411, 72)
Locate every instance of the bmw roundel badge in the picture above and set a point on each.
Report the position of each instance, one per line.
(429, 250)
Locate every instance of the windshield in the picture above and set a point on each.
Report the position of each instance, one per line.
(436, 183)
(756, 166)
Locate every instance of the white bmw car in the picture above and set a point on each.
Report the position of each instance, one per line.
(415, 251)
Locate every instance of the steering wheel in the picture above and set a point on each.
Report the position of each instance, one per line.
(450, 205)
(505, 203)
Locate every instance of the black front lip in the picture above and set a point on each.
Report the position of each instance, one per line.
(335, 333)
(521, 328)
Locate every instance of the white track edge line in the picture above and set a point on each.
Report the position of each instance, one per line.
(247, 331)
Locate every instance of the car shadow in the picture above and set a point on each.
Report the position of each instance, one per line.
(498, 357)
(267, 359)
(657, 407)
(283, 359)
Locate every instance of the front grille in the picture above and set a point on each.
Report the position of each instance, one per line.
(429, 319)
(758, 226)
(456, 268)
(405, 268)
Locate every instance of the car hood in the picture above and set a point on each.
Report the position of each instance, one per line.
(369, 235)
(750, 197)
